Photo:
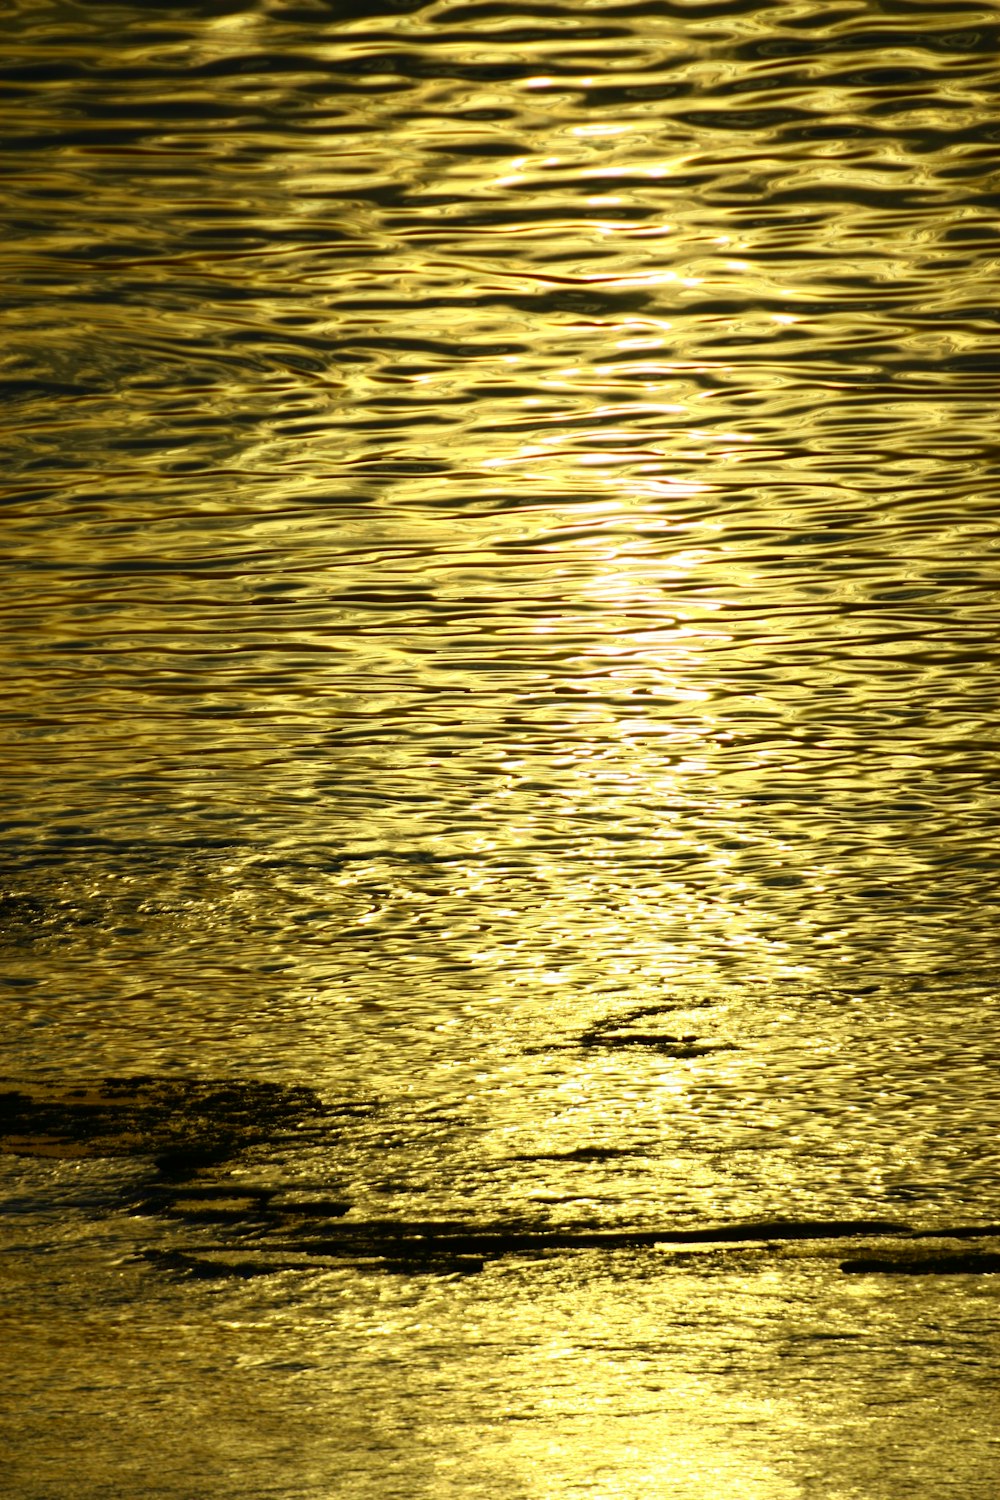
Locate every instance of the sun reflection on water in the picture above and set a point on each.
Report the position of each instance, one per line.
(501, 605)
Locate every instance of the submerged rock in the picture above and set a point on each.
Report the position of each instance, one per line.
(620, 1032)
(185, 1123)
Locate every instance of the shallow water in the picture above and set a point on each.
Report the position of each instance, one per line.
(501, 563)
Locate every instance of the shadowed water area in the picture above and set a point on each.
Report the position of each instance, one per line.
(500, 800)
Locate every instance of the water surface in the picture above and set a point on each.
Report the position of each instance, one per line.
(501, 553)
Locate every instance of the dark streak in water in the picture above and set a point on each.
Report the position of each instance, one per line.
(204, 1125)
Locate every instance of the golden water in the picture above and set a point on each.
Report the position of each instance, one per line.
(500, 520)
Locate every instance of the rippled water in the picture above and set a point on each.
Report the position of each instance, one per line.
(501, 553)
